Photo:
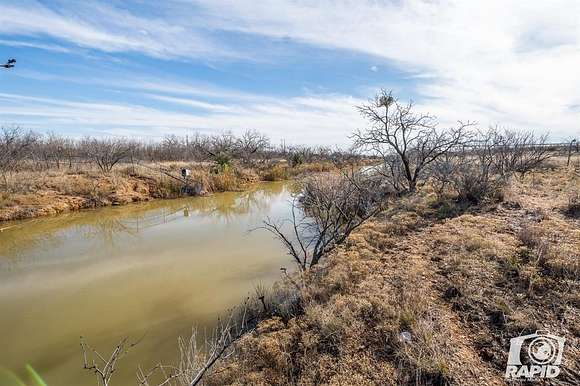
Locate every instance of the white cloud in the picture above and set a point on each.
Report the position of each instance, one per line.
(47, 47)
(509, 62)
(316, 119)
(513, 62)
(103, 27)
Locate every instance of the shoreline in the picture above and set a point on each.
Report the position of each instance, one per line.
(62, 191)
(426, 278)
(44, 212)
(63, 204)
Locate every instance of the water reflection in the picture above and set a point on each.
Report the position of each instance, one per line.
(155, 267)
(108, 226)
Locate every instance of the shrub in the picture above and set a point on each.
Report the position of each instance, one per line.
(276, 173)
(223, 161)
(332, 206)
(15, 145)
(518, 151)
(470, 177)
(296, 159)
(474, 186)
(106, 153)
(530, 236)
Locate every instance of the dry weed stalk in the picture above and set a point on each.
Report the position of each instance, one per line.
(104, 367)
(195, 362)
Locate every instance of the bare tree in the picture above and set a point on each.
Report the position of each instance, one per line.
(223, 149)
(198, 147)
(53, 149)
(15, 145)
(329, 209)
(251, 144)
(518, 151)
(407, 142)
(173, 148)
(108, 152)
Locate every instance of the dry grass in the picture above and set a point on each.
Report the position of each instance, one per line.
(279, 171)
(414, 298)
(276, 173)
(32, 193)
(313, 167)
(572, 209)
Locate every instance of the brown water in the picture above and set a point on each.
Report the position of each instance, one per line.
(155, 268)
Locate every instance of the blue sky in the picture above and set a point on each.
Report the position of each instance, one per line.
(290, 69)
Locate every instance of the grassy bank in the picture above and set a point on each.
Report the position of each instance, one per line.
(430, 292)
(29, 193)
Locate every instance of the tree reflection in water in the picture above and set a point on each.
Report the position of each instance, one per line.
(107, 226)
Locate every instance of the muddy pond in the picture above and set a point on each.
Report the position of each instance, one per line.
(153, 269)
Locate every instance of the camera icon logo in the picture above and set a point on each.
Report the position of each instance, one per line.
(535, 356)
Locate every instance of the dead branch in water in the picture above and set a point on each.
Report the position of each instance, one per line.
(103, 367)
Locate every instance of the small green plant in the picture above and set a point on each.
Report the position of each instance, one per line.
(9, 378)
(223, 161)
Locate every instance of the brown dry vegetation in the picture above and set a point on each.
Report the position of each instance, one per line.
(38, 193)
(461, 281)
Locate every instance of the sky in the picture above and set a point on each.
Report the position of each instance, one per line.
(294, 70)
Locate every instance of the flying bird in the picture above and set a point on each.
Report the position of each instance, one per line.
(9, 64)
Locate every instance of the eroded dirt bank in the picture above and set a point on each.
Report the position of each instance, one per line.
(34, 194)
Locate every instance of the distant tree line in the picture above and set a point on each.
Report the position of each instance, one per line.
(57, 151)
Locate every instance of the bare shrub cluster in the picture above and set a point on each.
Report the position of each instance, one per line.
(15, 145)
(106, 153)
(480, 169)
(414, 150)
(332, 206)
(468, 172)
(516, 151)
